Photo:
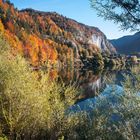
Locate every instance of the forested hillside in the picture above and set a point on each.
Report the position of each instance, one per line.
(46, 38)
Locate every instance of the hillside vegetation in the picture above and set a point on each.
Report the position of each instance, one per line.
(31, 106)
(47, 38)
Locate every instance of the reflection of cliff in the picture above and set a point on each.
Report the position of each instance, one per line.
(91, 88)
(90, 83)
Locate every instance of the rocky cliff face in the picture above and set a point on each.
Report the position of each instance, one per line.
(102, 42)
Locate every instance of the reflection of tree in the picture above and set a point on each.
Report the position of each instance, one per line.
(109, 77)
(90, 83)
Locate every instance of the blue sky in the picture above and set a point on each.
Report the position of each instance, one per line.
(79, 10)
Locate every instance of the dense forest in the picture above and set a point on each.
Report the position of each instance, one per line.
(46, 38)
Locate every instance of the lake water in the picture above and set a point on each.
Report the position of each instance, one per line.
(90, 82)
(104, 101)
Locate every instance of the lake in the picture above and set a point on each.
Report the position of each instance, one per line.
(90, 82)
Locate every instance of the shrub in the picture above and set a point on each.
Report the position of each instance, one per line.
(30, 108)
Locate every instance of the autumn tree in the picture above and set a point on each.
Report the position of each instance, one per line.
(10, 26)
(1, 28)
(70, 57)
(124, 12)
(13, 41)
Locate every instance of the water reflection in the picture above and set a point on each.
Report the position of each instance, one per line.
(91, 83)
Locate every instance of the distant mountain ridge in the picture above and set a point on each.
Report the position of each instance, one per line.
(127, 44)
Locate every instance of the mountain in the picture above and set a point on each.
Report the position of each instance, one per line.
(127, 44)
(47, 37)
